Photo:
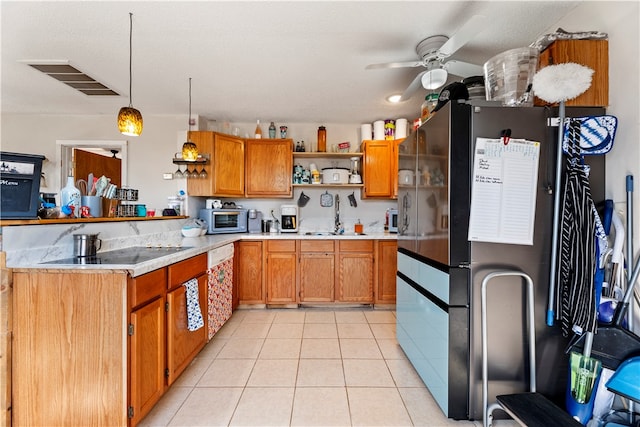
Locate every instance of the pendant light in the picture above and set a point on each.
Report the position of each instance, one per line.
(189, 149)
(130, 119)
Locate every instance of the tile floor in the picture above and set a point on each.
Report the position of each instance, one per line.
(304, 367)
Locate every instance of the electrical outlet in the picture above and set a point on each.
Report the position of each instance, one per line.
(167, 176)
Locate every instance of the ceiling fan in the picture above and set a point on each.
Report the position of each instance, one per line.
(433, 53)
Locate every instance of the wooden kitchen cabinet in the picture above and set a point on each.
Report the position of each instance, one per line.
(69, 364)
(280, 271)
(248, 259)
(182, 344)
(226, 166)
(147, 342)
(268, 168)
(387, 260)
(317, 267)
(380, 169)
(590, 53)
(355, 271)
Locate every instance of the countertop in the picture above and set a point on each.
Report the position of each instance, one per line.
(193, 246)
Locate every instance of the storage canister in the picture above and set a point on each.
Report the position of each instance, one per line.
(389, 129)
(322, 139)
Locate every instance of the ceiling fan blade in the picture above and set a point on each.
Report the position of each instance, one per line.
(465, 33)
(394, 65)
(413, 87)
(463, 69)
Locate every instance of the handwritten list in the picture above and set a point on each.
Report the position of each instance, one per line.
(503, 192)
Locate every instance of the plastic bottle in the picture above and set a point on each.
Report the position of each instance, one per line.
(70, 196)
(430, 102)
(322, 139)
(258, 132)
(272, 130)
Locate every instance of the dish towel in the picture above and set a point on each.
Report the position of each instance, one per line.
(195, 320)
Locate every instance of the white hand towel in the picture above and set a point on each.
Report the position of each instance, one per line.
(195, 320)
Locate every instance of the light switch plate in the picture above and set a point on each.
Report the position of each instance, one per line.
(167, 176)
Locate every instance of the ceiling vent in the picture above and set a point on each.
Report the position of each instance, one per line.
(75, 78)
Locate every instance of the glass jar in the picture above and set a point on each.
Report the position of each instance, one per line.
(322, 139)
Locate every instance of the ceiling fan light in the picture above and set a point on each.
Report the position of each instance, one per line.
(130, 121)
(433, 79)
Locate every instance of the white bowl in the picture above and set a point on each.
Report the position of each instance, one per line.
(191, 232)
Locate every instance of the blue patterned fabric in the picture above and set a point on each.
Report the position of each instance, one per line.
(595, 134)
(195, 320)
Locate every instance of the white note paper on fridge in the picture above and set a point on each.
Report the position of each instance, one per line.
(503, 191)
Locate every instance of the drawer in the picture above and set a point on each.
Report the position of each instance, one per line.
(281, 245)
(146, 287)
(190, 268)
(317, 245)
(356, 245)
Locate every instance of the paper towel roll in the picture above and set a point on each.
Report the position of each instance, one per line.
(378, 130)
(401, 128)
(366, 132)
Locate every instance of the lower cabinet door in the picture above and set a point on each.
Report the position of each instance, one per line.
(281, 278)
(317, 282)
(356, 278)
(183, 344)
(147, 358)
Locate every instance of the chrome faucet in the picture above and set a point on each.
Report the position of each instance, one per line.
(337, 225)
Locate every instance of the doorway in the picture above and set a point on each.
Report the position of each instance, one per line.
(66, 157)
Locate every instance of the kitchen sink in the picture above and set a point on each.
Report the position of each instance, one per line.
(320, 233)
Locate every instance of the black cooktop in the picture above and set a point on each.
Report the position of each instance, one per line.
(127, 256)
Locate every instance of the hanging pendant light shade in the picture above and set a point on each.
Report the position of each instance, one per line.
(130, 119)
(189, 149)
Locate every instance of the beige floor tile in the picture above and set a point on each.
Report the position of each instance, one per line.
(377, 407)
(320, 406)
(391, 349)
(359, 348)
(367, 373)
(320, 316)
(167, 407)
(207, 407)
(320, 373)
(251, 330)
(258, 316)
(264, 407)
(274, 373)
(403, 373)
(320, 330)
(289, 316)
(424, 411)
(354, 330)
(213, 347)
(241, 348)
(281, 348)
(285, 330)
(320, 348)
(227, 373)
(350, 317)
(228, 328)
(380, 316)
(383, 330)
(192, 374)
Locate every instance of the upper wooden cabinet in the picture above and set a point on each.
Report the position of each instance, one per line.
(590, 53)
(268, 167)
(226, 167)
(380, 169)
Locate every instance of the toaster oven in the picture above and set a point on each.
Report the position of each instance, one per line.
(221, 221)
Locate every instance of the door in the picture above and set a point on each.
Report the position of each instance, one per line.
(147, 358)
(183, 344)
(86, 162)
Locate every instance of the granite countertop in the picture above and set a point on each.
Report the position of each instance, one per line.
(189, 247)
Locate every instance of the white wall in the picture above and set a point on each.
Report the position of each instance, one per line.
(621, 21)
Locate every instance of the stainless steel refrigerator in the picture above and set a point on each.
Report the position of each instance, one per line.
(440, 271)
